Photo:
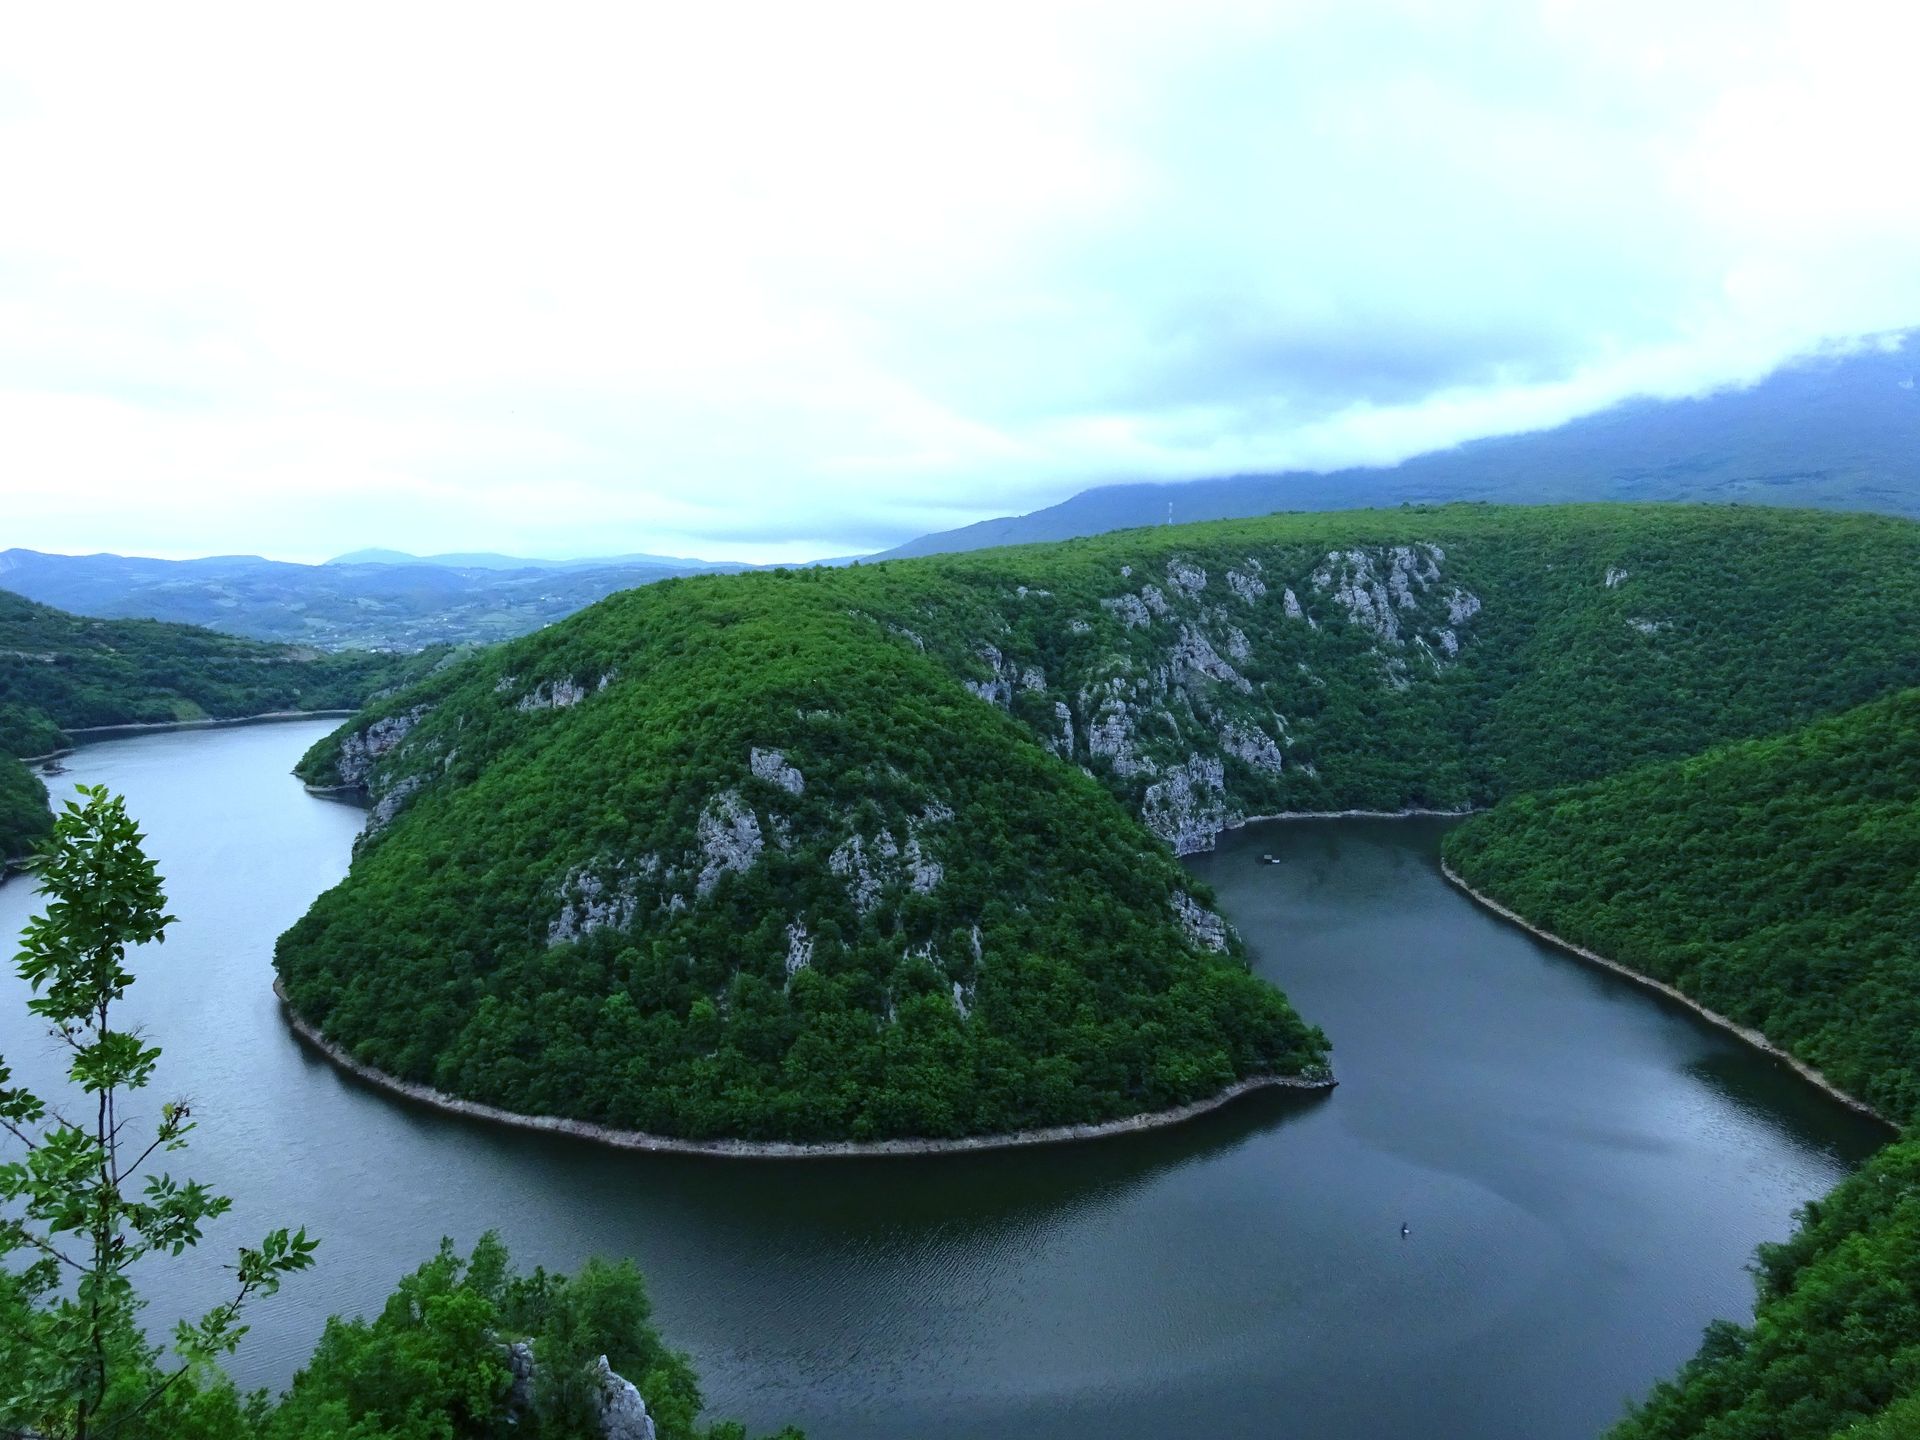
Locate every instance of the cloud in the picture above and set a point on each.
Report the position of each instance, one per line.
(768, 281)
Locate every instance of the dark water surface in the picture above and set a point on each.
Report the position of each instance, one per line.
(1586, 1169)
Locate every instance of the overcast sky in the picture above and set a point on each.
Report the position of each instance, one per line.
(780, 281)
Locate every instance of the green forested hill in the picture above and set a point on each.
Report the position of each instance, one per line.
(24, 816)
(744, 856)
(61, 672)
(1777, 881)
(735, 862)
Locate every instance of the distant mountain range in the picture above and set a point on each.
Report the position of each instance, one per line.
(372, 599)
(484, 560)
(1838, 433)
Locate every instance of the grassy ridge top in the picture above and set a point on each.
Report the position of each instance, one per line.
(589, 866)
(1777, 881)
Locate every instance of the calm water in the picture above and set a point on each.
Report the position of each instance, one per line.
(1586, 1170)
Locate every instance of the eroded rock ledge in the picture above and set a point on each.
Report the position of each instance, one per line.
(786, 1149)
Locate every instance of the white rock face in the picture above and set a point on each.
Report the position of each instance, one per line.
(1130, 611)
(1614, 576)
(589, 903)
(1353, 583)
(870, 866)
(1111, 731)
(1194, 655)
(1189, 579)
(1203, 927)
(730, 839)
(1461, 607)
(1062, 745)
(360, 750)
(1248, 587)
(999, 689)
(1032, 677)
(772, 767)
(1647, 627)
(1077, 626)
(1187, 808)
(391, 802)
(924, 873)
(799, 948)
(1378, 588)
(1152, 597)
(1238, 646)
(623, 1413)
(1251, 747)
(1291, 602)
(559, 694)
(865, 867)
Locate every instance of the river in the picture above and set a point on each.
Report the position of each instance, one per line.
(1585, 1169)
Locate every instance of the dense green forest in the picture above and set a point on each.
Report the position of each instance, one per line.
(1778, 882)
(743, 856)
(433, 1363)
(61, 672)
(782, 877)
(24, 817)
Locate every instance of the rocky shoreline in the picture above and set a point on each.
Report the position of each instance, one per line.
(778, 1149)
(1733, 1027)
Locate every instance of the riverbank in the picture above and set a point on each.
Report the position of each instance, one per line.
(778, 1149)
(1746, 1033)
(204, 722)
(1414, 813)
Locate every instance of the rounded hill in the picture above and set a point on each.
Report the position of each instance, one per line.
(888, 851)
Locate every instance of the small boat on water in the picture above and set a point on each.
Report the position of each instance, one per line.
(1268, 858)
(52, 767)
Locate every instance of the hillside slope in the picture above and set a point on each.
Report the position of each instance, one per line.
(60, 672)
(387, 601)
(24, 817)
(1778, 882)
(725, 860)
(1834, 432)
(625, 777)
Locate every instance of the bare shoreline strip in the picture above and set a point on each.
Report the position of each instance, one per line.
(1743, 1032)
(777, 1149)
(1415, 813)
